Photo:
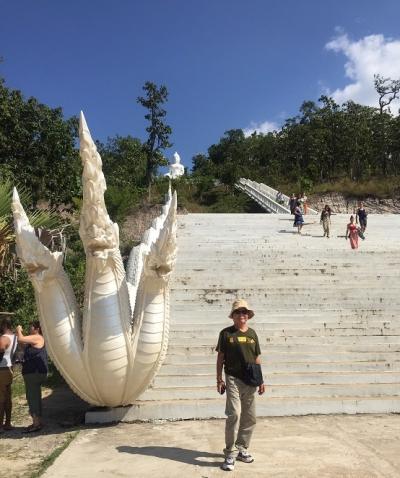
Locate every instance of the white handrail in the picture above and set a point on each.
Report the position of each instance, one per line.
(261, 198)
(266, 196)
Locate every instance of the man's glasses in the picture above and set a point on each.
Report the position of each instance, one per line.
(241, 311)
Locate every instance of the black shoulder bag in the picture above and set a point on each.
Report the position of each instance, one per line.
(252, 373)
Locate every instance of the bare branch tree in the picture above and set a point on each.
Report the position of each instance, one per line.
(387, 89)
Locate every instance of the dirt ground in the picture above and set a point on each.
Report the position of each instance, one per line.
(22, 454)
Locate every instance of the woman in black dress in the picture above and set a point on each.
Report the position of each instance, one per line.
(298, 217)
(34, 371)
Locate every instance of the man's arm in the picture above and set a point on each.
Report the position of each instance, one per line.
(220, 363)
(261, 388)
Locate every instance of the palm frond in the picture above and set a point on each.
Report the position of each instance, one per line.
(46, 221)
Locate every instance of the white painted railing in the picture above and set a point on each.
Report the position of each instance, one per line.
(262, 198)
(266, 196)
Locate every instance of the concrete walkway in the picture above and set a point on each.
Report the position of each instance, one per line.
(335, 446)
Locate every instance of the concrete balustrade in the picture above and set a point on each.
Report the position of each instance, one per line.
(266, 196)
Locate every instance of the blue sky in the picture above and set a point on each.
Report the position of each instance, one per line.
(226, 63)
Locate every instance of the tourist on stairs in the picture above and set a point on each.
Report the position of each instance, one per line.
(303, 203)
(239, 352)
(292, 203)
(298, 217)
(326, 220)
(352, 232)
(361, 217)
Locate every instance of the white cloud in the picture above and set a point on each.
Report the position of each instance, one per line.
(265, 127)
(373, 54)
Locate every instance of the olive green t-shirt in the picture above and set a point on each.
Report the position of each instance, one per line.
(230, 341)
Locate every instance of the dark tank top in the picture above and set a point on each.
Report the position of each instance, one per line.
(35, 360)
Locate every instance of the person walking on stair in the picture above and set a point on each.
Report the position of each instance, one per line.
(298, 217)
(292, 203)
(352, 233)
(361, 217)
(239, 353)
(326, 220)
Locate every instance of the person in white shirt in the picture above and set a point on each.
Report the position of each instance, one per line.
(8, 345)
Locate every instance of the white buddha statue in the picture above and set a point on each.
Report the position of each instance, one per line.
(176, 169)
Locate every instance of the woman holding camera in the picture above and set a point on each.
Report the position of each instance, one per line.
(34, 371)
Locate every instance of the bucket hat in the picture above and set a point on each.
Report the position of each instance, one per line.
(241, 304)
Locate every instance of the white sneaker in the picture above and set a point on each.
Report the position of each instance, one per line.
(228, 464)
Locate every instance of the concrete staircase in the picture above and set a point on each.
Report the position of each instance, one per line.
(328, 317)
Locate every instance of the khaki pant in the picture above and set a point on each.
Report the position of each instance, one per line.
(6, 378)
(241, 415)
(327, 227)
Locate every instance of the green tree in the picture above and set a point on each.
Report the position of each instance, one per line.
(387, 89)
(124, 167)
(124, 162)
(38, 147)
(159, 132)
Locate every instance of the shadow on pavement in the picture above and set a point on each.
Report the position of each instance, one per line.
(63, 411)
(191, 457)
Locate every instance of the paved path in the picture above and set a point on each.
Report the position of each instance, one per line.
(335, 446)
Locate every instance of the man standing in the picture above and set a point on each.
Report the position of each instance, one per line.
(237, 345)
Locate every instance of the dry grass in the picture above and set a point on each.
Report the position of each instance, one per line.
(379, 188)
(375, 188)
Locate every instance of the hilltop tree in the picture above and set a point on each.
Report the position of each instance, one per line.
(387, 89)
(158, 130)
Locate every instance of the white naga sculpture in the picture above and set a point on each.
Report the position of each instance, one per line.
(176, 169)
(111, 354)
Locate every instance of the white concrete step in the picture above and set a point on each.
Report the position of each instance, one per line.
(192, 392)
(185, 351)
(188, 340)
(214, 408)
(295, 357)
(182, 370)
(286, 378)
(293, 330)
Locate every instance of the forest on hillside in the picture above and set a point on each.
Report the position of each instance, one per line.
(325, 143)
(325, 146)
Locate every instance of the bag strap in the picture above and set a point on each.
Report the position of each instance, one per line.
(13, 348)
